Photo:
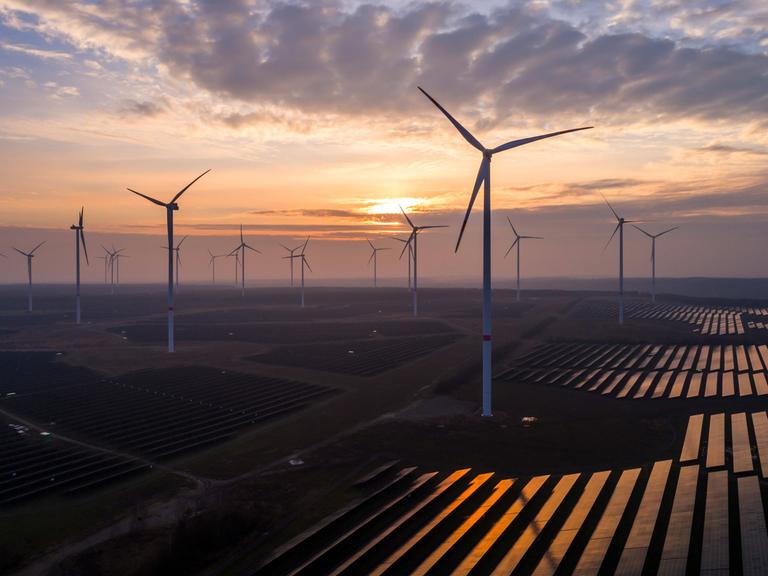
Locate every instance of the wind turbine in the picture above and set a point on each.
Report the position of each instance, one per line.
(177, 250)
(290, 260)
(29, 255)
(242, 246)
(484, 176)
(517, 243)
(410, 256)
(653, 256)
(304, 262)
(170, 208)
(110, 257)
(620, 229)
(212, 262)
(374, 253)
(237, 265)
(79, 235)
(413, 243)
(106, 261)
(118, 254)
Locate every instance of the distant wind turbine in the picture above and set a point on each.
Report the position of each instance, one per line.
(304, 262)
(106, 262)
(653, 256)
(29, 255)
(484, 176)
(241, 247)
(620, 229)
(79, 236)
(290, 260)
(170, 208)
(413, 243)
(374, 253)
(118, 254)
(407, 242)
(518, 242)
(177, 250)
(212, 263)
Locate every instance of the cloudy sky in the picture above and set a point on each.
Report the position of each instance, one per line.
(309, 116)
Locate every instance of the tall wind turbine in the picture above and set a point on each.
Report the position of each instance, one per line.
(518, 242)
(484, 176)
(241, 247)
(79, 235)
(29, 255)
(413, 242)
(290, 260)
(212, 262)
(177, 250)
(170, 208)
(304, 262)
(620, 229)
(407, 243)
(374, 253)
(653, 256)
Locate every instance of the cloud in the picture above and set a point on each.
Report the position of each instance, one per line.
(728, 149)
(512, 64)
(142, 109)
(36, 52)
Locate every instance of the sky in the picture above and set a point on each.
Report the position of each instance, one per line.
(309, 117)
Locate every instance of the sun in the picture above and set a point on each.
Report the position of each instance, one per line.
(392, 205)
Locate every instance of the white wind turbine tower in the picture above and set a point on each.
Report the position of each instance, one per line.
(290, 260)
(79, 236)
(177, 250)
(374, 253)
(484, 176)
(241, 247)
(304, 262)
(212, 262)
(413, 243)
(29, 255)
(518, 242)
(620, 229)
(407, 243)
(170, 208)
(653, 256)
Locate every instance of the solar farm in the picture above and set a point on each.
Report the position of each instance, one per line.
(346, 438)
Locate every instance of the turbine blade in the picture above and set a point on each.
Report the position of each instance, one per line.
(305, 245)
(187, 186)
(643, 231)
(612, 235)
(284, 246)
(80, 221)
(370, 244)
(371, 258)
(611, 207)
(163, 204)
(522, 141)
(513, 228)
(463, 131)
(407, 244)
(180, 242)
(481, 175)
(406, 217)
(510, 248)
(428, 227)
(665, 231)
(306, 262)
(19, 251)
(38, 246)
(85, 248)
(252, 248)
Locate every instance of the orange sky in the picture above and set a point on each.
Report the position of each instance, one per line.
(96, 101)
